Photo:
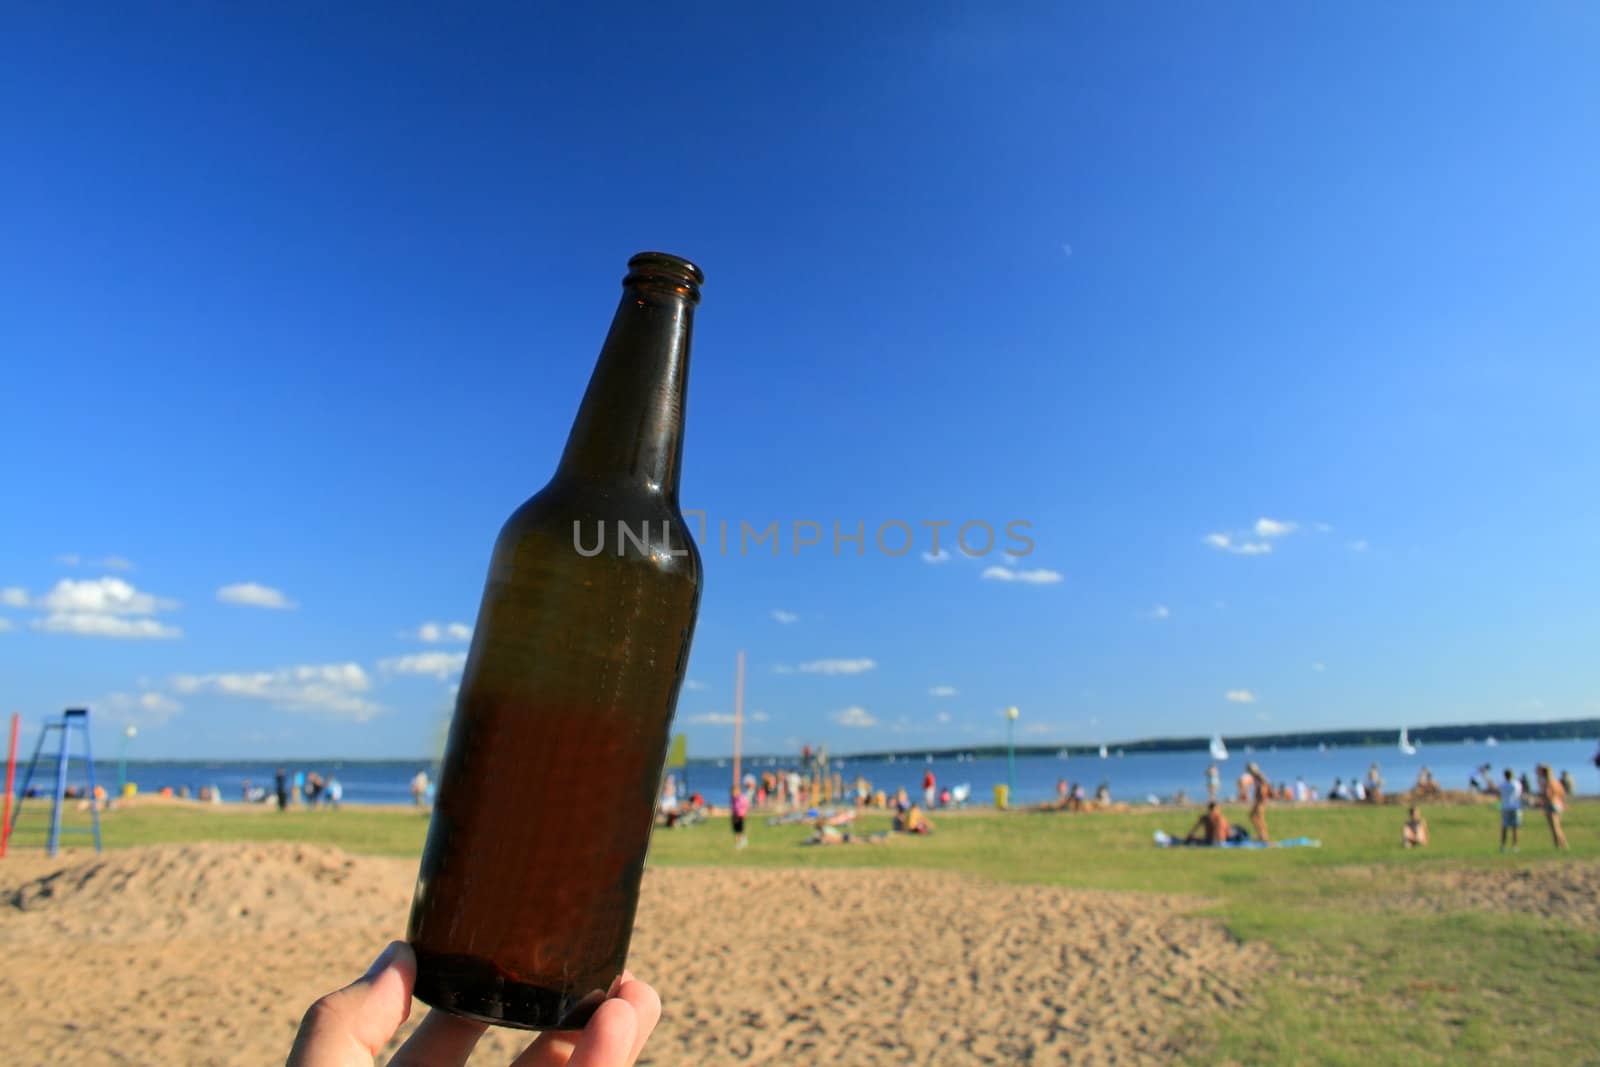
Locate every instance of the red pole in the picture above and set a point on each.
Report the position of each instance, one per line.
(11, 776)
(738, 717)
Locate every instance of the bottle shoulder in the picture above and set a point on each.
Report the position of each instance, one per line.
(599, 523)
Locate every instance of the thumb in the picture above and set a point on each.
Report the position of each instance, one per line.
(347, 1027)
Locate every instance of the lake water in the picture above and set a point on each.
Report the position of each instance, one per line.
(1133, 778)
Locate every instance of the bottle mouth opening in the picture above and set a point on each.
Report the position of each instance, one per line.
(662, 270)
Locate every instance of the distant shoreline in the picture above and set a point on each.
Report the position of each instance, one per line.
(1561, 730)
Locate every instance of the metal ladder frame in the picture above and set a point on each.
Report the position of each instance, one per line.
(70, 718)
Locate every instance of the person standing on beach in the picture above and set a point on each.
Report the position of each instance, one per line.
(1510, 810)
(739, 807)
(1555, 802)
(419, 788)
(281, 786)
(1213, 783)
(1258, 805)
(929, 792)
(335, 792)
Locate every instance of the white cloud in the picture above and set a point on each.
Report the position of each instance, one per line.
(1270, 528)
(1358, 545)
(14, 596)
(102, 596)
(333, 689)
(855, 717)
(943, 716)
(92, 624)
(1240, 696)
(1319, 667)
(692, 684)
(5, 624)
(838, 666)
(942, 691)
(440, 665)
(255, 595)
(1039, 576)
(103, 607)
(1161, 611)
(940, 556)
(435, 632)
(759, 716)
(1223, 543)
(785, 617)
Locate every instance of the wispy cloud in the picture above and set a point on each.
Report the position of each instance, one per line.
(5, 624)
(1040, 576)
(724, 718)
(440, 665)
(139, 709)
(854, 717)
(88, 624)
(112, 563)
(785, 617)
(838, 666)
(1270, 528)
(942, 717)
(940, 556)
(336, 690)
(435, 632)
(14, 596)
(1319, 667)
(693, 684)
(103, 607)
(1358, 545)
(1224, 543)
(1161, 611)
(942, 691)
(255, 595)
(1240, 696)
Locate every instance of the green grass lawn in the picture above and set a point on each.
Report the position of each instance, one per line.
(1358, 981)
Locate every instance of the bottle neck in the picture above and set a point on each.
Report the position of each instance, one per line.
(629, 430)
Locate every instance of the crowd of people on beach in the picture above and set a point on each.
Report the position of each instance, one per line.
(311, 789)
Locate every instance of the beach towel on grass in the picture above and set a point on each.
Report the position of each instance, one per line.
(1166, 840)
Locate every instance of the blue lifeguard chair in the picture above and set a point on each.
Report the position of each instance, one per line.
(73, 719)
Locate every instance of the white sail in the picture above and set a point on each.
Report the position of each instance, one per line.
(1103, 752)
(1406, 747)
(1490, 741)
(1219, 751)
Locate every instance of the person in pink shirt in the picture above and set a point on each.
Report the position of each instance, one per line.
(739, 808)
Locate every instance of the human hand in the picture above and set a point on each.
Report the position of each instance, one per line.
(347, 1027)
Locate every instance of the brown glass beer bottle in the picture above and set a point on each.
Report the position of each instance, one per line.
(526, 894)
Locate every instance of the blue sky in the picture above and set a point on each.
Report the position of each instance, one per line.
(1277, 327)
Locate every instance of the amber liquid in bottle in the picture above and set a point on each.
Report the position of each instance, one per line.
(530, 877)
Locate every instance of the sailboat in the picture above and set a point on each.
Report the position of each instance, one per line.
(1219, 751)
(1406, 747)
(1103, 752)
(1490, 741)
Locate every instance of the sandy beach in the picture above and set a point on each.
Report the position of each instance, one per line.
(208, 954)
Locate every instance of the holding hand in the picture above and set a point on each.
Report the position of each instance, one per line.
(346, 1028)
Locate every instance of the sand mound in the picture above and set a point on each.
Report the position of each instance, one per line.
(199, 889)
(208, 954)
(1564, 891)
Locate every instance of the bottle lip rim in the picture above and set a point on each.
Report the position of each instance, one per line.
(665, 265)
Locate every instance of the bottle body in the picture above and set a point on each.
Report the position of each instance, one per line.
(529, 881)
